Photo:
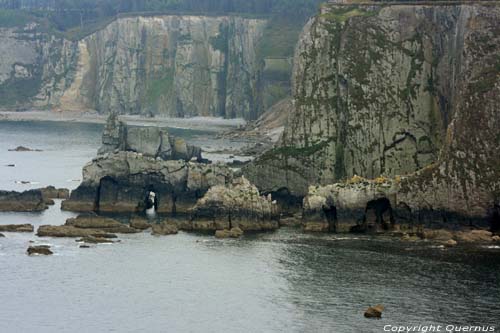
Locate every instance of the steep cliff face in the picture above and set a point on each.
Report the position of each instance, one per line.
(168, 65)
(35, 67)
(173, 65)
(378, 87)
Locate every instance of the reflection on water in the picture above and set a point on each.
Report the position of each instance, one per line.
(284, 281)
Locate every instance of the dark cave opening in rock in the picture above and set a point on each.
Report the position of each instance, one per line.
(330, 212)
(379, 212)
(494, 218)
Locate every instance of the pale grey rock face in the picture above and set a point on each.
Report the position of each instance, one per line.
(35, 68)
(179, 66)
(376, 91)
(175, 66)
(146, 140)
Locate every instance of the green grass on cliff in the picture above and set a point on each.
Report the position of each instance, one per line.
(343, 14)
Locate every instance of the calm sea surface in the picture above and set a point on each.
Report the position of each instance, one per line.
(284, 281)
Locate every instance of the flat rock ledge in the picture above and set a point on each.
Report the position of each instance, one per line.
(87, 227)
(238, 204)
(17, 228)
(164, 228)
(27, 201)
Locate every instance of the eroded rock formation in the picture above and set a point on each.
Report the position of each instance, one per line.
(123, 181)
(149, 141)
(395, 90)
(238, 204)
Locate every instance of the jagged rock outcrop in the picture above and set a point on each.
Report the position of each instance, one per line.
(396, 90)
(123, 182)
(169, 65)
(238, 204)
(150, 141)
(27, 201)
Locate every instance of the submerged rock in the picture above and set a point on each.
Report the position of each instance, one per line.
(27, 201)
(16, 228)
(39, 249)
(22, 149)
(238, 204)
(2, 235)
(94, 240)
(374, 311)
(164, 229)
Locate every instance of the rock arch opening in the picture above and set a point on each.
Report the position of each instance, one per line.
(378, 213)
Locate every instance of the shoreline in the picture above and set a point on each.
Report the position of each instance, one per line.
(209, 124)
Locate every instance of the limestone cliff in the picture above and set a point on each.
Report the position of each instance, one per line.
(35, 67)
(168, 65)
(390, 90)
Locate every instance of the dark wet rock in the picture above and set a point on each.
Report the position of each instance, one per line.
(2, 235)
(10, 165)
(22, 149)
(232, 233)
(238, 204)
(374, 311)
(39, 249)
(123, 182)
(164, 229)
(50, 192)
(16, 228)
(100, 223)
(71, 231)
(139, 223)
(94, 240)
(83, 246)
(27, 201)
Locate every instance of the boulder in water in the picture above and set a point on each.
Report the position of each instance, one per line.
(39, 249)
(94, 240)
(374, 311)
(22, 149)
